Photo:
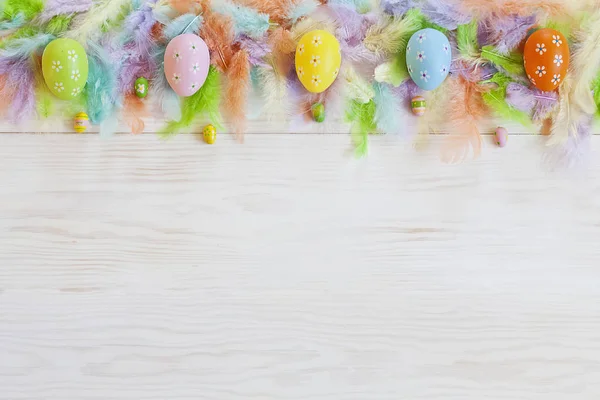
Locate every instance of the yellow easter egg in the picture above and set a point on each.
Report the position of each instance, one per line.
(318, 60)
(81, 123)
(210, 134)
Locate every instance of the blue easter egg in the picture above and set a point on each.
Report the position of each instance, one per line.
(428, 58)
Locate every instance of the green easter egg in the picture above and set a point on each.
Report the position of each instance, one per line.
(318, 112)
(141, 87)
(65, 68)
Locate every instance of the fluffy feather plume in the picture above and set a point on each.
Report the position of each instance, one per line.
(357, 87)
(511, 64)
(236, 92)
(91, 24)
(17, 64)
(257, 50)
(186, 23)
(55, 8)
(246, 20)
(506, 33)
(396, 8)
(101, 90)
(514, 7)
(495, 98)
(465, 108)
(362, 119)
(133, 112)
(392, 35)
(446, 13)
(301, 9)
(387, 109)
(278, 10)
(467, 43)
(274, 90)
(217, 32)
(531, 101)
(585, 62)
(21, 10)
(204, 103)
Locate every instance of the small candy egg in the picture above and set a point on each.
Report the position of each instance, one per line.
(501, 136)
(141, 87)
(318, 112)
(210, 134)
(81, 123)
(418, 106)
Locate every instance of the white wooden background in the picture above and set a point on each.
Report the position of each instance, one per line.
(135, 268)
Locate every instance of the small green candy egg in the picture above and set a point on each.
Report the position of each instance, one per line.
(141, 87)
(318, 112)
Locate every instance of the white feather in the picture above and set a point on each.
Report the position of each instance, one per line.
(586, 59)
(89, 25)
(274, 92)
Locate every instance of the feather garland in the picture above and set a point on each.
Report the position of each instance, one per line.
(237, 88)
(204, 103)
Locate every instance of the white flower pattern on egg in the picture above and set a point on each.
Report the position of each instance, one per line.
(425, 76)
(176, 79)
(195, 68)
(75, 75)
(72, 55)
(556, 79)
(421, 56)
(556, 40)
(315, 61)
(177, 56)
(316, 80)
(558, 60)
(300, 71)
(75, 92)
(56, 66)
(317, 41)
(59, 86)
(541, 48)
(541, 71)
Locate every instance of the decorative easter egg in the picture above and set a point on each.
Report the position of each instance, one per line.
(318, 60)
(418, 106)
(318, 112)
(141, 87)
(501, 135)
(186, 64)
(210, 134)
(428, 58)
(65, 68)
(81, 123)
(546, 57)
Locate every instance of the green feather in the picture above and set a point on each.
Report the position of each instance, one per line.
(496, 100)
(596, 90)
(362, 119)
(58, 24)
(466, 39)
(27, 8)
(204, 102)
(393, 72)
(512, 63)
(393, 35)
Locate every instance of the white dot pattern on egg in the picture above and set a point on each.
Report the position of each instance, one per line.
(428, 58)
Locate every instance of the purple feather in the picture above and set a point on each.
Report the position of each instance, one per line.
(257, 49)
(520, 97)
(506, 33)
(575, 152)
(407, 91)
(21, 81)
(137, 53)
(444, 13)
(544, 105)
(60, 7)
(352, 25)
(397, 8)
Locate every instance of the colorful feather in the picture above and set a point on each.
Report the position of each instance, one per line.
(133, 112)
(167, 100)
(92, 24)
(467, 43)
(302, 9)
(275, 92)
(392, 35)
(512, 63)
(246, 20)
(446, 13)
(396, 8)
(54, 8)
(506, 33)
(496, 100)
(361, 116)
(237, 87)
(387, 109)
(204, 103)
(186, 23)
(358, 89)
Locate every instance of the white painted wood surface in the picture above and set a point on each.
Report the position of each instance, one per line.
(134, 268)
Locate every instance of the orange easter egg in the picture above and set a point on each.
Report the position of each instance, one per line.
(546, 57)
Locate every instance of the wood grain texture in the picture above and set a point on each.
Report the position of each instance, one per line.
(134, 268)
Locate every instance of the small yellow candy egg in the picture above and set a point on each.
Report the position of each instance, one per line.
(210, 134)
(81, 123)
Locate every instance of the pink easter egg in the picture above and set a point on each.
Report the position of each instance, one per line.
(186, 64)
(501, 137)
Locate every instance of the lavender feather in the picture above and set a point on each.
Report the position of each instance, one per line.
(545, 102)
(520, 97)
(506, 33)
(575, 152)
(257, 49)
(445, 13)
(63, 7)
(397, 8)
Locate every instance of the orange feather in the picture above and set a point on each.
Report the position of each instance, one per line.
(237, 87)
(134, 110)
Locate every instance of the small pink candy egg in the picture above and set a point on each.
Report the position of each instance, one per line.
(501, 136)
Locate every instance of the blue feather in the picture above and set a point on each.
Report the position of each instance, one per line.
(101, 90)
(246, 20)
(18, 21)
(302, 9)
(387, 109)
(23, 48)
(168, 100)
(187, 23)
